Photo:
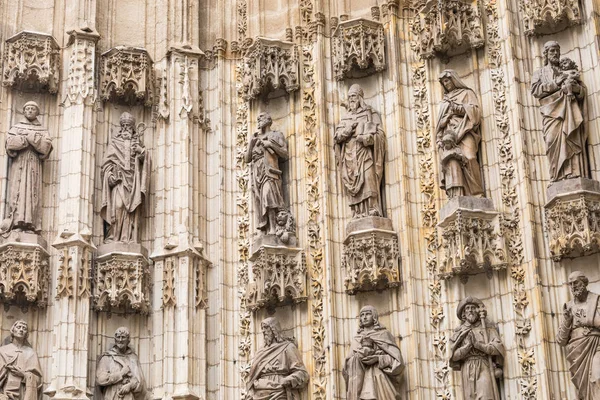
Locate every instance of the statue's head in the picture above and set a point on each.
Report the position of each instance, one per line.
(355, 97)
(578, 283)
(31, 110)
(551, 52)
(282, 217)
(127, 122)
(451, 81)
(271, 330)
(19, 330)
(264, 120)
(122, 339)
(368, 318)
(468, 309)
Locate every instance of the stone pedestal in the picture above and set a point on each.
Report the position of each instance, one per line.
(573, 218)
(370, 255)
(122, 278)
(279, 274)
(470, 238)
(24, 269)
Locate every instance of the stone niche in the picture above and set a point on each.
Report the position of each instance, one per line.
(126, 76)
(358, 49)
(269, 66)
(122, 278)
(448, 28)
(370, 259)
(24, 275)
(471, 239)
(544, 17)
(573, 218)
(32, 62)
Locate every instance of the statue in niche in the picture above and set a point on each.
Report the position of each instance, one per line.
(476, 351)
(27, 144)
(265, 151)
(561, 94)
(20, 371)
(119, 372)
(458, 136)
(360, 147)
(579, 332)
(374, 365)
(277, 371)
(125, 181)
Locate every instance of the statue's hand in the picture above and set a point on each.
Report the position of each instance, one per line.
(125, 371)
(138, 149)
(125, 389)
(112, 181)
(33, 137)
(15, 370)
(370, 360)
(561, 78)
(286, 382)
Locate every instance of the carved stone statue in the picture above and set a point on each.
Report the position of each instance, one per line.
(277, 371)
(360, 147)
(458, 136)
(265, 150)
(476, 351)
(125, 181)
(27, 144)
(20, 372)
(374, 365)
(119, 372)
(580, 332)
(562, 94)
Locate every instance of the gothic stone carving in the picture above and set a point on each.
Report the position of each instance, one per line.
(543, 17)
(24, 272)
(122, 278)
(32, 62)
(269, 65)
(277, 370)
(573, 218)
(453, 29)
(476, 351)
(358, 44)
(374, 365)
(82, 66)
(370, 255)
(126, 75)
(471, 238)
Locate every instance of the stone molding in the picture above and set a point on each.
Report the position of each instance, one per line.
(358, 44)
(544, 17)
(32, 62)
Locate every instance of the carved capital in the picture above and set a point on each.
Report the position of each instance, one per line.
(544, 17)
(32, 62)
(358, 48)
(126, 75)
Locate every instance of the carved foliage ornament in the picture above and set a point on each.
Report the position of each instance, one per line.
(32, 59)
(358, 44)
(24, 270)
(543, 17)
(126, 75)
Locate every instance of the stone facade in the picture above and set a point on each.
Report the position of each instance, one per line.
(194, 286)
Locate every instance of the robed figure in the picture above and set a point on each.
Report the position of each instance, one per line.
(360, 148)
(458, 136)
(477, 352)
(20, 371)
(28, 144)
(374, 365)
(119, 372)
(579, 332)
(562, 104)
(125, 181)
(277, 371)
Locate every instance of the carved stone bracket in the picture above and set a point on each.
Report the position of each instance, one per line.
(448, 28)
(269, 65)
(122, 278)
(370, 259)
(32, 62)
(82, 66)
(573, 218)
(126, 75)
(74, 265)
(544, 17)
(470, 238)
(279, 277)
(24, 270)
(358, 48)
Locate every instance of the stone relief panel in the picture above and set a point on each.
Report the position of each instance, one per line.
(543, 17)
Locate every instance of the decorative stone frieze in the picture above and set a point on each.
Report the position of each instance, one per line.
(370, 259)
(470, 238)
(448, 28)
(122, 278)
(269, 65)
(573, 218)
(126, 76)
(358, 48)
(32, 62)
(24, 272)
(544, 17)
